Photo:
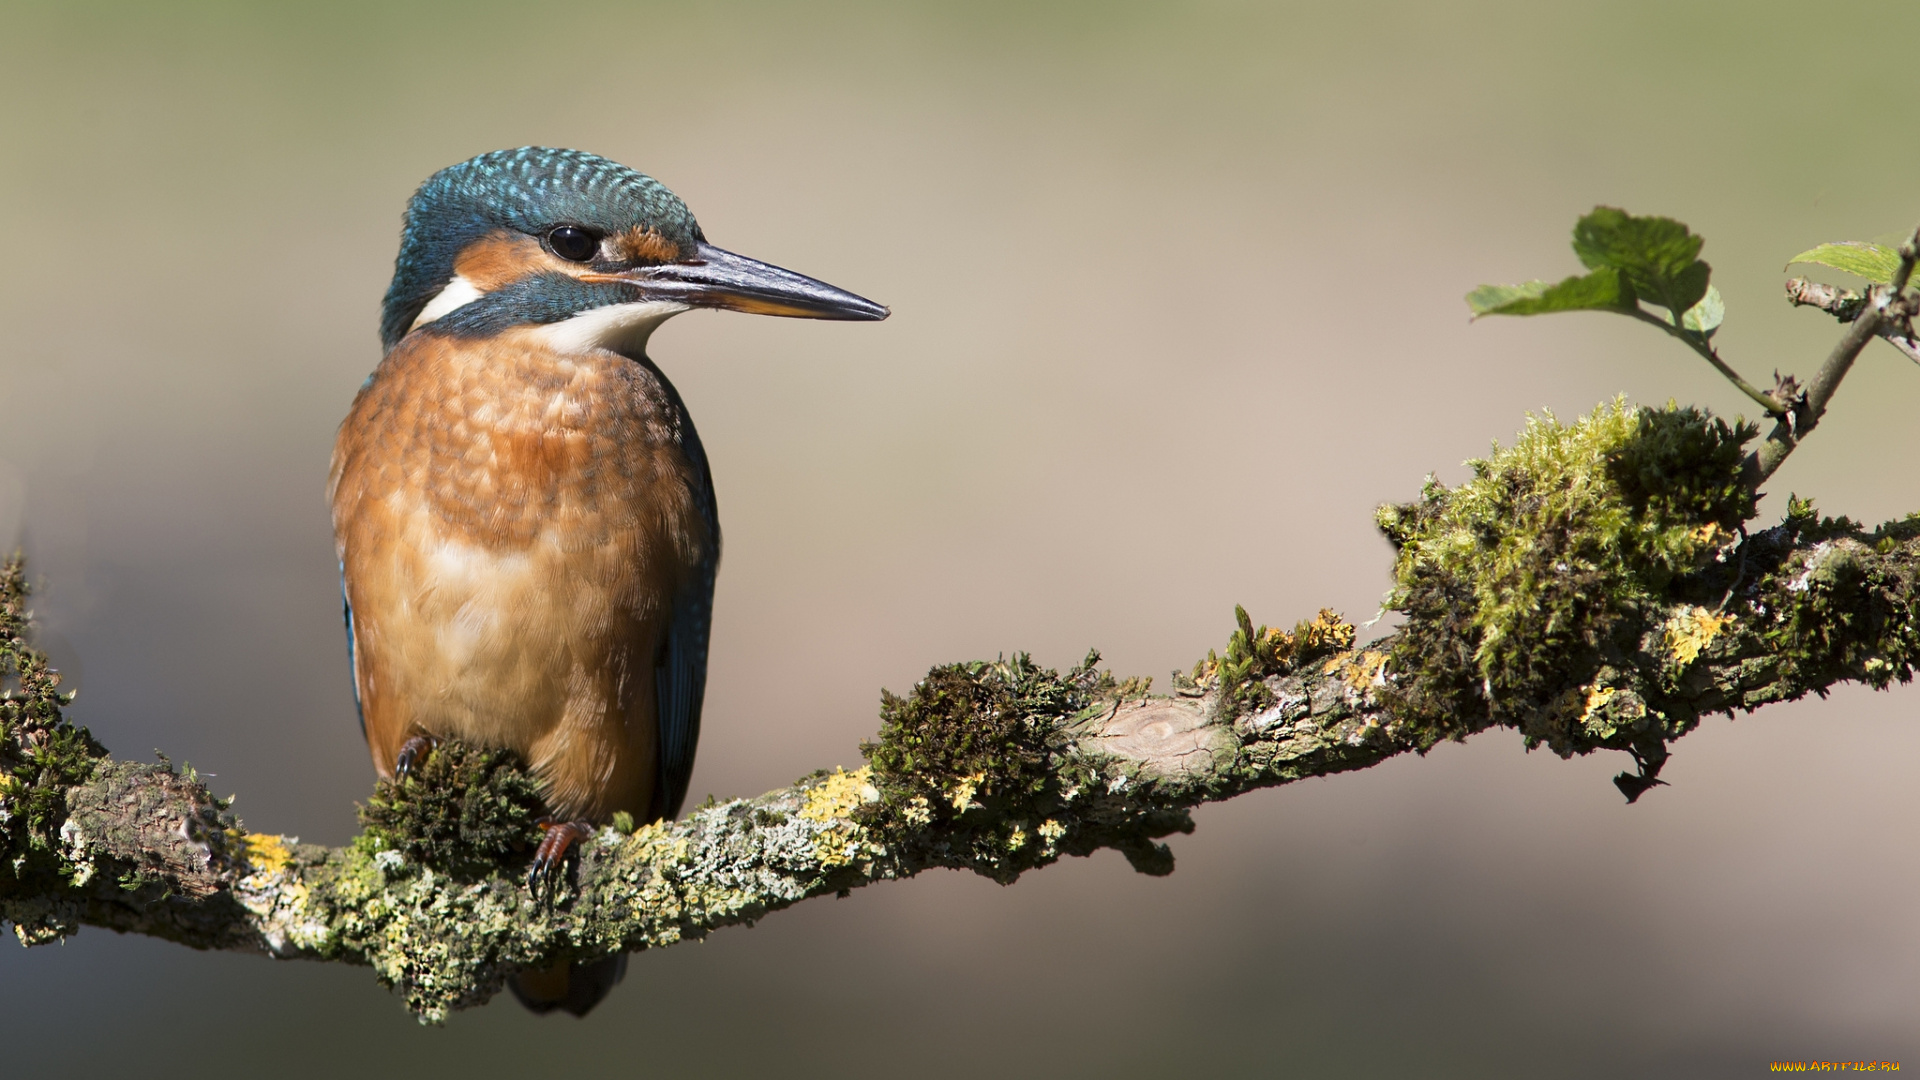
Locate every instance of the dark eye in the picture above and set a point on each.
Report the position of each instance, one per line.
(573, 243)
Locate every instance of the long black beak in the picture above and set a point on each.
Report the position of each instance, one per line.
(716, 278)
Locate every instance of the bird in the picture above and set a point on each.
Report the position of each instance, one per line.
(523, 512)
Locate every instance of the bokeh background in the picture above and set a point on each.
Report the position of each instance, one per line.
(1176, 300)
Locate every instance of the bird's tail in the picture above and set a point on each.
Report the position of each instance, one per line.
(574, 988)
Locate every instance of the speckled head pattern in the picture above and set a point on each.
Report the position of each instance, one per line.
(530, 190)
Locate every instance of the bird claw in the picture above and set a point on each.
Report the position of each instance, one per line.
(550, 858)
(412, 752)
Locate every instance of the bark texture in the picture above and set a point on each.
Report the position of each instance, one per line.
(1005, 767)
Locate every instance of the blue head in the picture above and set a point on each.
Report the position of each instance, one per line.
(544, 236)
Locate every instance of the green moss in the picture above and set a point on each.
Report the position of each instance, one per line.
(464, 810)
(1848, 608)
(1551, 566)
(41, 756)
(1255, 654)
(990, 728)
(972, 754)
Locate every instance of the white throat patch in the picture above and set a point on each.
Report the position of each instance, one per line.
(458, 294)
(623, 328)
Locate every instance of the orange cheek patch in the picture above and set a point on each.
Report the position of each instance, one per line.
(645, 246)
(500, 258)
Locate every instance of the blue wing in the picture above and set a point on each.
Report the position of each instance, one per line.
(681, 681)
(353, 664)
(680, 672)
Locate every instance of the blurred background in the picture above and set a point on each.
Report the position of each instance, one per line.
(1177, 302)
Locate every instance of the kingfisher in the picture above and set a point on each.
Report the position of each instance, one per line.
(522, 509)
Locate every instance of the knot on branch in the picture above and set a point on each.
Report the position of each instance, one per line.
(157, 830)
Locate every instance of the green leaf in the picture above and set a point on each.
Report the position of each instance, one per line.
(1659, 257)
(1870, 261)
(1706, 316)
(1601, 290)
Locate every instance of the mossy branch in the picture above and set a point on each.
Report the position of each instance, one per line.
(1593, 586)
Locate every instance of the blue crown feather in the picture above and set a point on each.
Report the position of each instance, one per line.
(530, 189)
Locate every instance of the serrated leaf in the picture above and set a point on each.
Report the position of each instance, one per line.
(1658, 257)
(1706, 316)
(1870, 261)
(1601, 290)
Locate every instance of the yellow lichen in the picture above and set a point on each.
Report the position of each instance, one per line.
(1712, 536)
(840, 795)
(1597, 698)
(1252, 654)
(1016, 839)
(266, 852)
(1051, 831)
(1327, 630)
(962, 794)
(268, 894)
(652, 833)
(1594, 700)
(1599, 711)
(837, 846)
(831, 803)
(658, 846)
(918, 811)
(1358, 670)
(268, 891)
(1691, 630)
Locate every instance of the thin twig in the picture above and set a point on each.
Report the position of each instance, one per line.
(1879, 308)
(1845, 305)
(1699, 344)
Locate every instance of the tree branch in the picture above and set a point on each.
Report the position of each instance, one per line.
(998, 768)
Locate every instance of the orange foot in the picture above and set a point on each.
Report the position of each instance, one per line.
(412, 752)
(550, 858)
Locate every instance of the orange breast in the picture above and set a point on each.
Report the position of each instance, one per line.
(512, 525)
